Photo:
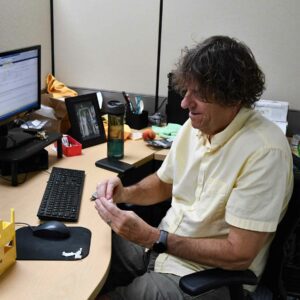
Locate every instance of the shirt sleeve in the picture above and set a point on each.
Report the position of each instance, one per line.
(262, 191)
(165, 172)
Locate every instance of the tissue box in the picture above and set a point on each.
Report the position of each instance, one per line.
(73, 148)
(273, 110)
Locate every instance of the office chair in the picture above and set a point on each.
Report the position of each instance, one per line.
(275, 275)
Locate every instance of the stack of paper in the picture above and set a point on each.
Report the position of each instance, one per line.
(275, 111)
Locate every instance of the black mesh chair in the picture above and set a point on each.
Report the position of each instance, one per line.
(281, 276)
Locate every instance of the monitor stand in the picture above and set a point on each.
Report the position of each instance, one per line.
(12, 138)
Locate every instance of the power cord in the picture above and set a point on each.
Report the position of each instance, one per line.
(23, 223)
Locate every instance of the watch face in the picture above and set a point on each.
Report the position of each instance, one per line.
(159, 247)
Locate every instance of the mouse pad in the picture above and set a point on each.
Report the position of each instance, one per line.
(30, 247)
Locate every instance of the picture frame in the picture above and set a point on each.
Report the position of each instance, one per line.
(85, 118)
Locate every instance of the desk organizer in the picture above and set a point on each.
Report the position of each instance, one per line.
(7, 243)
(74, 148)
(136, 121)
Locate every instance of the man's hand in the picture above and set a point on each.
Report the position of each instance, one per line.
(111, 189)
(126, 223)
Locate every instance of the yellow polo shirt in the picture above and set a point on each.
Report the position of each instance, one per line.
(243, 177)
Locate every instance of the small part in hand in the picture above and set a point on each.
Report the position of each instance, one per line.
(94, 196)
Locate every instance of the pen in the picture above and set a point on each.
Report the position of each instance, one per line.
(139, 107)
(127, 99)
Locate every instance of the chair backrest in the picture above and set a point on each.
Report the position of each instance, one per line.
(283, 248)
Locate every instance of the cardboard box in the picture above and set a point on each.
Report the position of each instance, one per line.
(55, 112)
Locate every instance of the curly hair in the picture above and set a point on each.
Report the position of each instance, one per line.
(224, 71)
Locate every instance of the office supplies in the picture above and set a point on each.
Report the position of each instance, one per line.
(128, 102)
(157, 119)
(275, 111)
(34, 125)
(139, 105)
(7, 242)
(137, 121)
(94, 196)
(164, 143)
(70, 146)
(62, 196)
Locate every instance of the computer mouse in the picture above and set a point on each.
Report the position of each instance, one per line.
(52, 230)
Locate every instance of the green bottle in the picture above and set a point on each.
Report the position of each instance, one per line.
(115, 136)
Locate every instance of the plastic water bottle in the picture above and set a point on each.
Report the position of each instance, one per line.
(115, 138)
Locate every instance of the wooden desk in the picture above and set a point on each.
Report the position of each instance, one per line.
(81, 279)
(161, 154)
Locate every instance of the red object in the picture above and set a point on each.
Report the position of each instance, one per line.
(74, 148)
(148, 134)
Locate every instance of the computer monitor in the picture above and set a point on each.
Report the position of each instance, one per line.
(20, 91)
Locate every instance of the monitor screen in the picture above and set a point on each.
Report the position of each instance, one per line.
(20, 85)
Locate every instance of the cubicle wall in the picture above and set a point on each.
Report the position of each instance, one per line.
(107, 44)
(269, 27)
(113, 44)
(26, 23)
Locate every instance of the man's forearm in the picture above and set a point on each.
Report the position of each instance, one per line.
(235, 251)
(209, 252)
(150, 190)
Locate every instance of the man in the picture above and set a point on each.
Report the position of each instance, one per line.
(229, 173)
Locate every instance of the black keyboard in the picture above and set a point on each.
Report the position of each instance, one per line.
(62, 196)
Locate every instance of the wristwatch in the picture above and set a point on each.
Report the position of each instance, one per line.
(160, 246)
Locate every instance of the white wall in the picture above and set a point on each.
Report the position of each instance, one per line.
(26, 23)
(269, 28)
(113, 44)
(107, 44)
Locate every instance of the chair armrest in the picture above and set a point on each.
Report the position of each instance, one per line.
(203, 281)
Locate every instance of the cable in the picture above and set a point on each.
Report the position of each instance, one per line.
(23, 223)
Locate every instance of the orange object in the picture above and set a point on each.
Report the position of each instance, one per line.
(149, 134)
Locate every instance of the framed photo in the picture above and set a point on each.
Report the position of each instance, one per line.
(85, 118)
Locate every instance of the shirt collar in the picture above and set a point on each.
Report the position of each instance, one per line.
(222, 137)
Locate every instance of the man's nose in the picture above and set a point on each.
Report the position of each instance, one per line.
(185, 102)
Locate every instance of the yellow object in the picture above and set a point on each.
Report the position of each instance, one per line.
(8, 251)
(127, 130)
(57, 88)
